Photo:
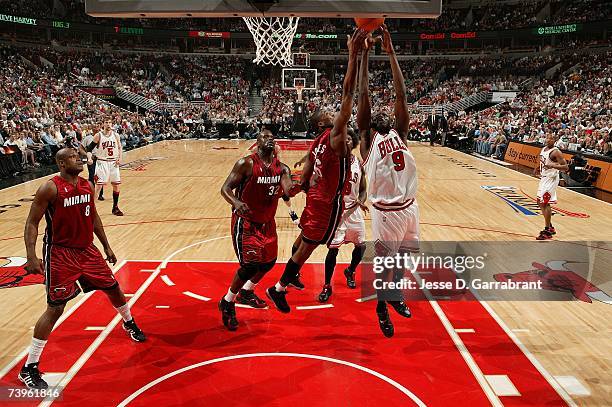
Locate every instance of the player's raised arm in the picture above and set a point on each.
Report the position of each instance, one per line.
(402, 119)
(364, 108)
(241, 171)
(338, 133)
(290, 188)
(45, 195)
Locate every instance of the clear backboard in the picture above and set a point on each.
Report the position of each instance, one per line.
(269, 8)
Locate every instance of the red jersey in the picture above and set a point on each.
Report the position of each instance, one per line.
(70, 217)
(331, 172)
(261, 190)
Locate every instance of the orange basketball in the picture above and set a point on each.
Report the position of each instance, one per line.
(369, 24)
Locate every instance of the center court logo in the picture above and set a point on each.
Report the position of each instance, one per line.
(523, 203)
(141, 164)
(557, 275)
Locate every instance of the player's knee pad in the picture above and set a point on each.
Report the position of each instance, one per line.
(248, 271)
(267, 266)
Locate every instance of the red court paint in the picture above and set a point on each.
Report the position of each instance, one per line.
(421, 357)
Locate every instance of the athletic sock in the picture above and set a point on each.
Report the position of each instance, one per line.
(230, 296)
(292, 269)
(115, 199)
(249, 286)
(36, 350)
(279, 287)
(330, 264)
(356, 257)
(124, 311)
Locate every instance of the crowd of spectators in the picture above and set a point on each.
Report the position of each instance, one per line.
(493, 15)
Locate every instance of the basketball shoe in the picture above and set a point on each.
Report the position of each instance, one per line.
(228, 314)
(325, 293)
(133, 331)
(32, 377)
(248, 297)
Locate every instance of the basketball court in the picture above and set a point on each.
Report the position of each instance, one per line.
(177, 259)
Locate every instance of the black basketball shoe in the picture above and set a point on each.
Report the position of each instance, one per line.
(297, 283)
(384, 322)
(248, 297)
(32, 377)
(279, 300)
(325, 293)
(350, 278)
(401, 308)
(228, 314)
(294, 217)
(133, 331)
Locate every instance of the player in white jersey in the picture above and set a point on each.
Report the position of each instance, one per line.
(392, 179)
(551, 162)
(352, 228)
(109, 153)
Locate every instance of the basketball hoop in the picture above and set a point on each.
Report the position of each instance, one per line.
(273, 39)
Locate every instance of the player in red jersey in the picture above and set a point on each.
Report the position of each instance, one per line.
(259, 180)
(325, 174)
(69, 255)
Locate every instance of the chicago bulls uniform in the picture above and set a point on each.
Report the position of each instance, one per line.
(549, 180)
(392, 186)
(254, 233)
(324, 203)
(69, 254)
(107, 153)
(352, 228)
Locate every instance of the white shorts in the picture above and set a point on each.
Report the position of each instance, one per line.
(547, 190)
(107, 171)
(393, 231)
(351, 230)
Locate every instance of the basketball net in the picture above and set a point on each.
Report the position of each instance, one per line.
(273, 38)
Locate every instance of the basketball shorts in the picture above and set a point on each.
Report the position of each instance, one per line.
(254, 243)
(320, 220)
(351, 230)
(107, 171)
(547, 190)
(396, 231)
(68, 268)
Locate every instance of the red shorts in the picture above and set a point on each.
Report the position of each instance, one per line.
(254, 243)
(320, 220)
(65, 266)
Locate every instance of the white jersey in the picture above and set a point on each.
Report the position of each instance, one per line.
(545, 160)
(352, 194)
(391, 172)
(107, 147)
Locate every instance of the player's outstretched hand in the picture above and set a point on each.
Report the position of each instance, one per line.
(110, 256)
(34, 266)
(296, 188)
(242, 208)
(386, 40)
(355, 42)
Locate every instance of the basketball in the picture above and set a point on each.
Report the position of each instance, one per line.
(369, 24)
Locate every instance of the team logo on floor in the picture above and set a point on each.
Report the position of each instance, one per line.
(523, 203)
(12, 273)
(465, 165)
(141, 164)
(556, 275)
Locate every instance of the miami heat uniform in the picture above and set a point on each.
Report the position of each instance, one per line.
(107, 154)
(324, 203)
(391, 172)
(69, 254)
(254, 234)
(352, 228)
(549, 178)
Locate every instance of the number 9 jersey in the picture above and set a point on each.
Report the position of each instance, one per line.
(392, 179)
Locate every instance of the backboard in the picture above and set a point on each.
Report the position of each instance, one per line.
(307, 77)
(246, 8)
